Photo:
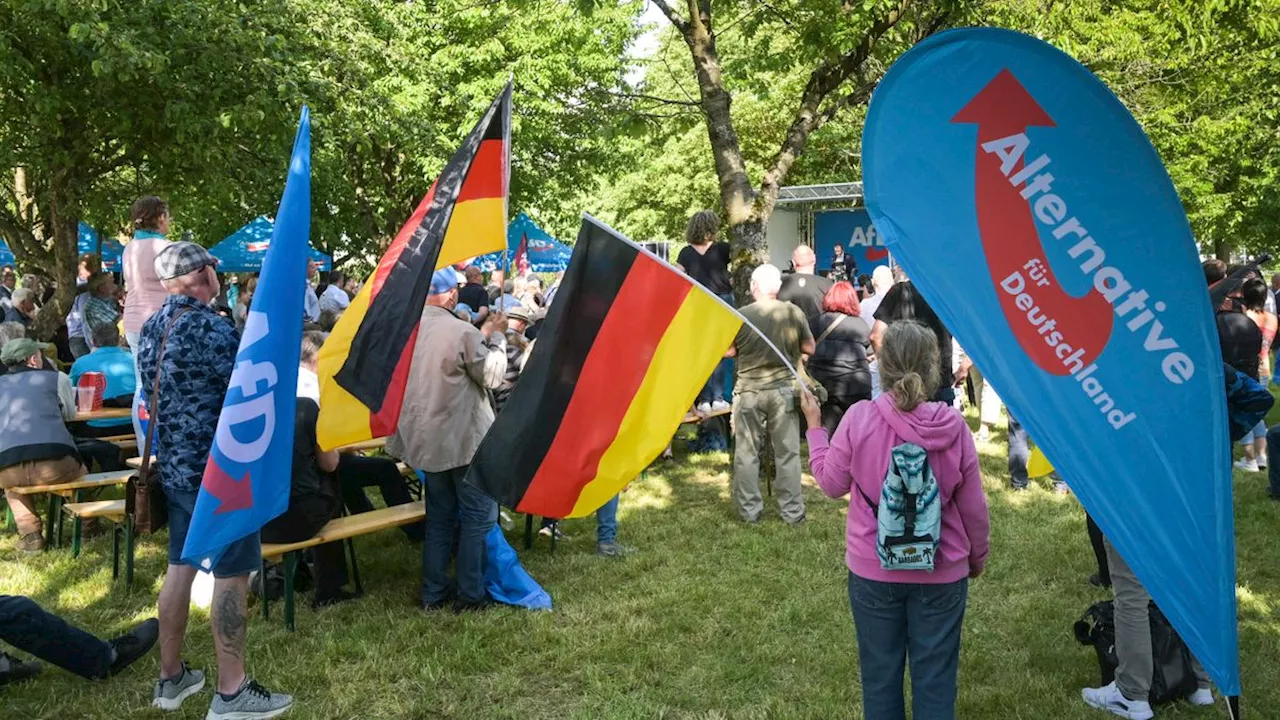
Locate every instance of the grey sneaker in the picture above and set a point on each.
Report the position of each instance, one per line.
(170, 693)
(613, 550)
(251, 702)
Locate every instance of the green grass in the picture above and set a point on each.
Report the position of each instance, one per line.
(710, 619)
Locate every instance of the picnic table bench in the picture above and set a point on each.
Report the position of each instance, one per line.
(345, 529)
(72, 490)
(106, 413)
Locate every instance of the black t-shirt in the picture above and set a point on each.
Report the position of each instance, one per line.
(904, 302)
(805, 292)
(307, 478)
(839, 361)
(1241, 342)
(474, 295)
(710, 269)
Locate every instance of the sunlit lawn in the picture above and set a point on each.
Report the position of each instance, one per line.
(710, 619)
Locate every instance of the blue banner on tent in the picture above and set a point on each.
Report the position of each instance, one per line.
(852, 229)
(1034, 215)
(245, 249)
(525, 239)
(110, 251)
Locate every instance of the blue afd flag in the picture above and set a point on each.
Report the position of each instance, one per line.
(1035, 217)
(246, 482)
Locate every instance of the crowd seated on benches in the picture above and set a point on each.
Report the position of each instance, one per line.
(314, 495)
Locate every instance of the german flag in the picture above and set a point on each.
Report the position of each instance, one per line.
(365, 362)
(628, 344)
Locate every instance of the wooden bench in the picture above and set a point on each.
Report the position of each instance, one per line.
(127, 443)
(339, 529)
(697, 417)
(113, 511)
(72, 490)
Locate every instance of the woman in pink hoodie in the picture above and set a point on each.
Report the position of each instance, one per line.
(899, 613)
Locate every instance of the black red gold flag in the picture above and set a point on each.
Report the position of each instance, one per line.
(628, 344)
(365, 362)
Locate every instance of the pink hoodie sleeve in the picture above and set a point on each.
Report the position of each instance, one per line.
(830, 463)
(971, 501)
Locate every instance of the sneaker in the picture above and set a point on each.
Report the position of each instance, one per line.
(31, 543)
(1202, 697)
(703, 408)
(613, 550)
(1262, 461)
(13, 670)
(720, 406)
(1246, 465)
(553, 530)
(134, 644)
(1110, 698)
(170, 692)
(251, 702)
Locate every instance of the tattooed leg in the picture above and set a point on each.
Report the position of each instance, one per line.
(230, 623)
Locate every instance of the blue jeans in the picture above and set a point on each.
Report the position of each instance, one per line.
(897, 620)
(1273, 460)
(607, 522)
(453, 504)
(239, 558)
(28, 627)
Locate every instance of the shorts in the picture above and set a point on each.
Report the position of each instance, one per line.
(239, 558)
(1258, 432)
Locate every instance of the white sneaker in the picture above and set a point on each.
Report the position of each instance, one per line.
(1202, 697)
(703, 408)
(1246, 465)
(1262, 461)
(720, 406)
(1110, 698)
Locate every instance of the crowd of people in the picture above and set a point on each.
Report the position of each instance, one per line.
(880, 378)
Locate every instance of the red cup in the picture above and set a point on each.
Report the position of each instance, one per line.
(98, 382)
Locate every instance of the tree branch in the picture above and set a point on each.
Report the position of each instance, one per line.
(681, 24)
(654, 98)
(824, 80)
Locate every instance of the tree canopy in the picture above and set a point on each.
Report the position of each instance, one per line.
(196, 100)
(1200, 77)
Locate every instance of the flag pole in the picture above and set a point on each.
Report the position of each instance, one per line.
(506, 189)
(699, 287)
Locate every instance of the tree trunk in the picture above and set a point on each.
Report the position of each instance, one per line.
(1222, 249)
(65, 221)
(749, 251)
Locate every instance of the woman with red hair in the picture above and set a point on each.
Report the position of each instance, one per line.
(840, 360)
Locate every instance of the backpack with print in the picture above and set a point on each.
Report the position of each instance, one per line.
(909, 515)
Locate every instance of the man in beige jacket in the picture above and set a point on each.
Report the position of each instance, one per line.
(445, 414)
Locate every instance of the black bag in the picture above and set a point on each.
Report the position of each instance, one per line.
(1172, 677)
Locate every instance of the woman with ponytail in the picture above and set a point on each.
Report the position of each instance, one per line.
(901, 612)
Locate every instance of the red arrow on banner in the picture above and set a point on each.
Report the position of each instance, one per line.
(1011, 239)
(232, 494)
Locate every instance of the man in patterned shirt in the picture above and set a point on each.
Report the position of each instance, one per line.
(196, 368)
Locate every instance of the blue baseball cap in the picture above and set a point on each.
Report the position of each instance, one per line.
(443, 280)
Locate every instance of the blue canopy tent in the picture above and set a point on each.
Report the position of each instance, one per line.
(546, 254)
(111, 251)
(87, 242)
(245, 249)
